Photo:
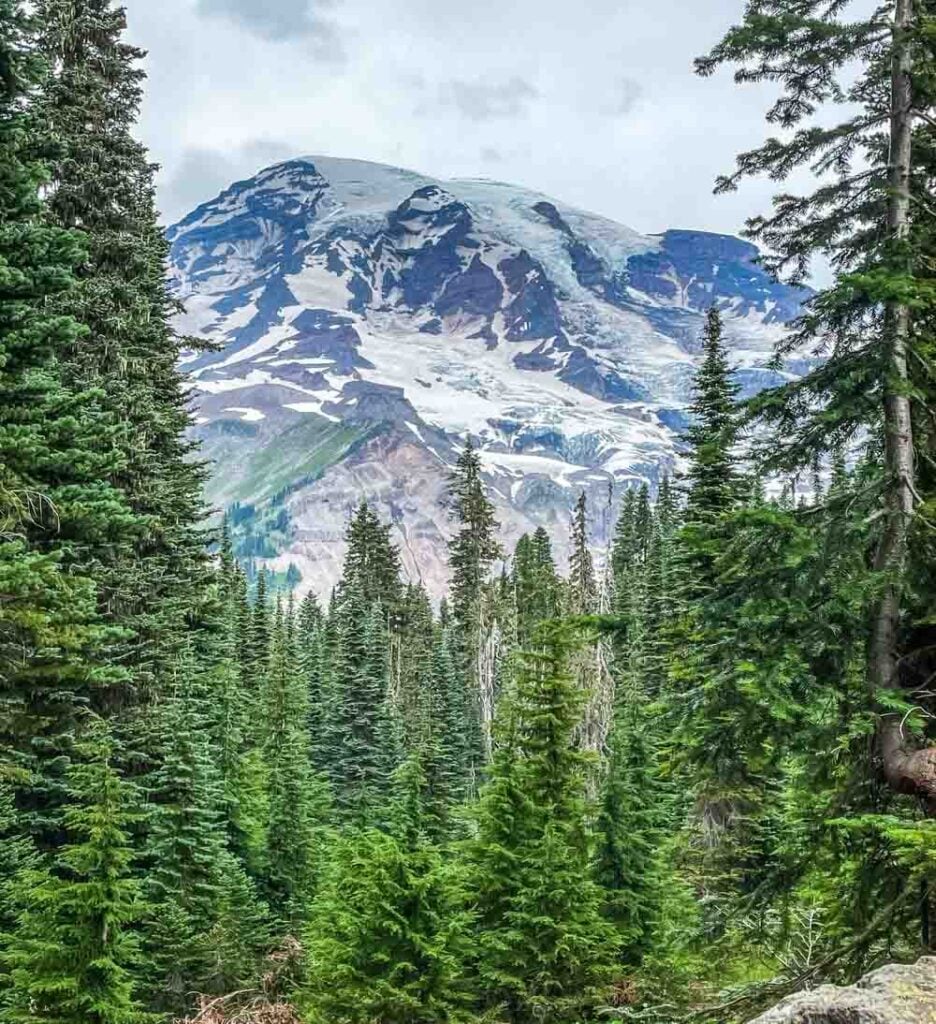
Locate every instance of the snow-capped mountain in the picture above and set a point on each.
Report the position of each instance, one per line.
(366, 319)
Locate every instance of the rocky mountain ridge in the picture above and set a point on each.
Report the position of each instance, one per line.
(366, 319)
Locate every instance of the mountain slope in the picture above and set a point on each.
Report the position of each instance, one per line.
(368, 318)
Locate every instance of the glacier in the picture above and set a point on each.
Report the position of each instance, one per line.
(364, 320)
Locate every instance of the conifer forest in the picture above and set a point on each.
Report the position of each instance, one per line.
(669, 782)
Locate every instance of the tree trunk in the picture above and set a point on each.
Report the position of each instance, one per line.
(907, 770)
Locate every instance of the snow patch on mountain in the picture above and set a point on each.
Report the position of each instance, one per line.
(365, 319)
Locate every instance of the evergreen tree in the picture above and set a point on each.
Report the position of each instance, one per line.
(713, 434)
(55, 449)
(582, 586)
(474, 548)
(472, 551)
(774, 683)
(149, 557)
(388, 931)
(628, 861)
(429, 711)
(629, 580)
(233, 722)
(544, 951)
(624, 543)
(411, 668)
(360, 741)
(372, 563)
(589, 662)
(450, 733)
(71, 957)
(314, 657)
(874, 221)
(692, 668)
(536, 584)
(186, 856)
(258, 636)
(290, 821)
(633, 807)
(249, 622)
(662, 576)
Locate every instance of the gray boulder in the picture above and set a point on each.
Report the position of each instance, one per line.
(895, 994)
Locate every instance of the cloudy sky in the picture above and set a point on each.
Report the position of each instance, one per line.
(593, 102)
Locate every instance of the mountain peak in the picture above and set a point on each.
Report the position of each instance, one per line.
(348, 297)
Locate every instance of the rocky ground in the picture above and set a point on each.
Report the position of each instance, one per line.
(895, 994)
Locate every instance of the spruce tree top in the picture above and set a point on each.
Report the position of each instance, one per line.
(475, 546)
(713, 475)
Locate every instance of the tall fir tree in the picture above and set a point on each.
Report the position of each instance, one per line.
(629, 581)
(56, 450)
(872, 70)
(147, 555)
(72, 957)
(472, 552)
(150, 562)
(544, 951)
(693, 668)
(591, 661)
(629, 862)
(582, 589)
(233, 722)
(450, 724)
(314, 653)
(259, 627)
(713, 433)
(372, 563)
(291, 804)
(663, 585)
(474, 548)
(535, 585)
(186, 856)
(411, 667)
(361, 743)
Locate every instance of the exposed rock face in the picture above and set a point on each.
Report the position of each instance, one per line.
(895, 994)
(365, 320)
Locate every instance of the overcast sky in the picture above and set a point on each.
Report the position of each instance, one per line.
(593, 102)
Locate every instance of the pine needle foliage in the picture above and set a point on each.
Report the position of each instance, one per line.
(72, 957)
(544, 951)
